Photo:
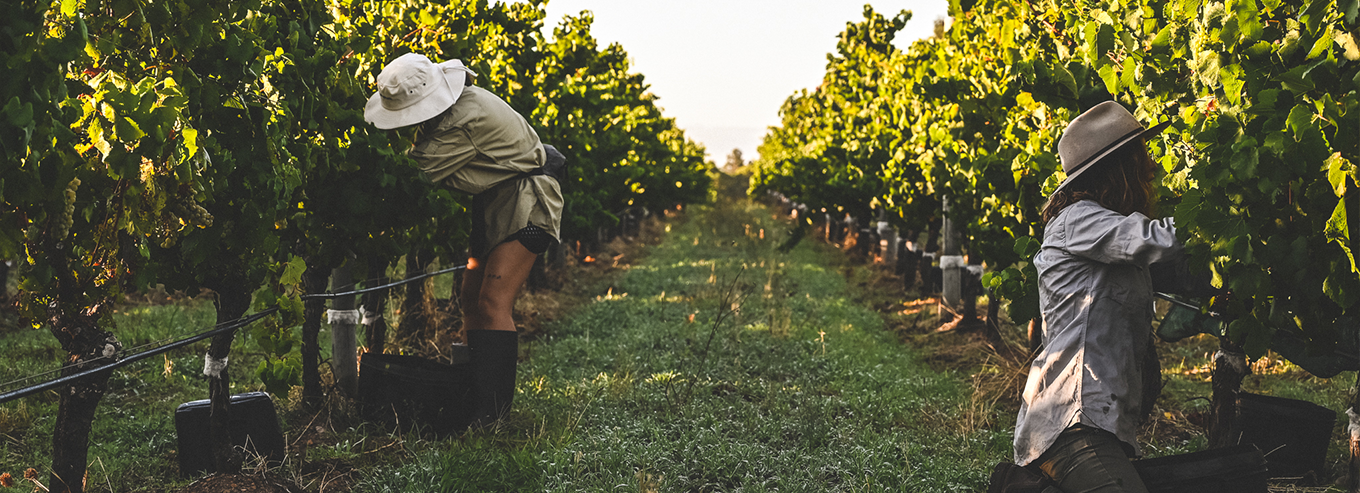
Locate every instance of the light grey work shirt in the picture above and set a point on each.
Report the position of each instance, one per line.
(1095, 293)
(480, 143)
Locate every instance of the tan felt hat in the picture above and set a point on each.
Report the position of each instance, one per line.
(1097, 133)
(413, 89)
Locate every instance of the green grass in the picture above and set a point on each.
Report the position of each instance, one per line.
(780, 383)
(716, 364)
(133, 445)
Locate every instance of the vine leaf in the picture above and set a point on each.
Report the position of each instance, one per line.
(1254, 336)
(292, 273)
(1337, 231)
(1231, 77)
(1339, 171)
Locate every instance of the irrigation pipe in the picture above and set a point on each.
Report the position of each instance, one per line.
(51, 384)
(328, 296)
(225, 327)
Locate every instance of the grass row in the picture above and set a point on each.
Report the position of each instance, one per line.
(720, 364)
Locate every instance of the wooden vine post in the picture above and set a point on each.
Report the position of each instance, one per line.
(343, 319)
(951, 264)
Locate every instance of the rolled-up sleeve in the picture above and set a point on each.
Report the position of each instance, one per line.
(1109, 237)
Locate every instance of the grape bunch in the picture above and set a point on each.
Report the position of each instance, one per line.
(69, 212)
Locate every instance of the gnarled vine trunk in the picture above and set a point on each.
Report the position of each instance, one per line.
(74, 321)
(313, 281)
(415, 311)
(1230, 367)
(233, 299)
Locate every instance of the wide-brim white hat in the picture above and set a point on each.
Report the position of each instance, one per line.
(1095, 134)
(413, 89)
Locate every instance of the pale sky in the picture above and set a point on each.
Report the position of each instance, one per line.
(722, 68)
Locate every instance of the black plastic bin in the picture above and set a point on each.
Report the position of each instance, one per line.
(254, 425)
(1236, 469)
(408, 391)
(1293, 434)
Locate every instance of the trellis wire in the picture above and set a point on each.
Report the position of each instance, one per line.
(218, 329)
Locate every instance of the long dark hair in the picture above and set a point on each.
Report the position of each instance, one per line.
(1121, 182)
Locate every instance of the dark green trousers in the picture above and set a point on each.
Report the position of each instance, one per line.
(1090, 460)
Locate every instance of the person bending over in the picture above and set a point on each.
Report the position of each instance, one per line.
(472, 141)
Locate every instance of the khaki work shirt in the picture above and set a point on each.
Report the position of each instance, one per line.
(478, 144)
(1095, 293)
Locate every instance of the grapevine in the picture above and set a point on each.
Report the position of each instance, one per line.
(1257, 168)
(124, 103)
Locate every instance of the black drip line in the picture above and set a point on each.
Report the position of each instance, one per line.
(217, 329)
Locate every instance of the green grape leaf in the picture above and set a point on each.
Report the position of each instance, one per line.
(292, 273)
(1264, 102)
(1340, 287)
(1027, 246)
(1127, 74)
(1321, 46)
(19, 115)
(1207, 66)
(1248, 21)
(1231, 77)
(1350, 8)
(1252, 334)
(1230, 32)
(190, 141)
(1187, 9)
(1339, 171)
(1297, 79)
(1244, 161)
(1300, 120)
(1110, 77)
(1065, 78)
(1161, 44)
(1337, 231)
(127, 131)
(1277, 142)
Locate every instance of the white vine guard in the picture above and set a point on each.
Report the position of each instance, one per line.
(213, 367)
(343, 317)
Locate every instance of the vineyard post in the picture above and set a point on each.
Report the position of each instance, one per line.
(888, 243)
(951, 263)
(375, 305)
(343, 318)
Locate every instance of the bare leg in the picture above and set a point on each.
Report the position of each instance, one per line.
(489, 289)
(489, 292)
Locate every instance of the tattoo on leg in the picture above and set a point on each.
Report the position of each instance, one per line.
(493, 276)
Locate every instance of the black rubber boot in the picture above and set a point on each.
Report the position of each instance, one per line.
(495, 354)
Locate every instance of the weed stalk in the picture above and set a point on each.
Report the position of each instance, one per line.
(724, 310)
